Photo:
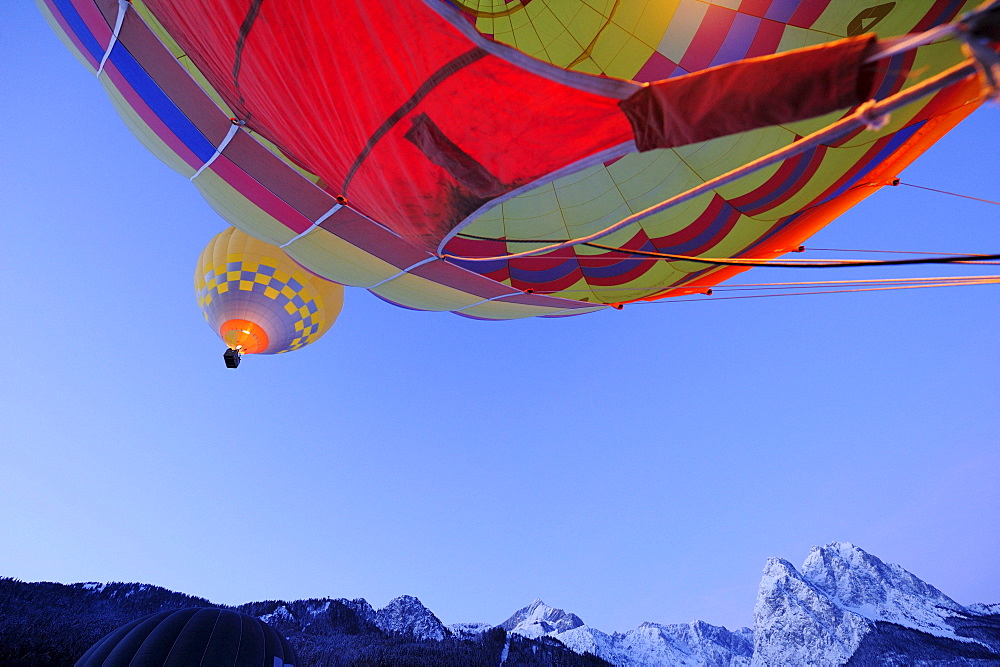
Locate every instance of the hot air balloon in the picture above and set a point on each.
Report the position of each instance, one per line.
(258, 300)
(498, 159)
(192, 636)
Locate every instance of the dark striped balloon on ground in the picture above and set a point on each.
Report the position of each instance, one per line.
(189, 637)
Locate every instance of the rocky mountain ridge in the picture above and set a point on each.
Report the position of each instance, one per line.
(844, 607)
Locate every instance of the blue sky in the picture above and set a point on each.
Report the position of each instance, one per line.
(627, 466)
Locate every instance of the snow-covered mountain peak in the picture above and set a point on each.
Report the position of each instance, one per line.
(408, 616)
(794, 622)
(778, 572)
(861, 583)
(540, 619)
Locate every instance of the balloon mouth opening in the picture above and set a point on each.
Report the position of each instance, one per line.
(244, 335)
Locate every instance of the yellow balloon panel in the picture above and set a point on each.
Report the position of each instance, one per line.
(260, 301)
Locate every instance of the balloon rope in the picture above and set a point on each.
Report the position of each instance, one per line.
(893, 252)
(805, 264)
(804, 285)
(895, 45)
(992, 281)
(814, 284)
(788, 263)
(946, 192)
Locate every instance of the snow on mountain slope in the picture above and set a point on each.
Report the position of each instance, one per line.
(539, 619)
(842, 600)
(584, 639)
(795, 623)
(985, 609)
(697, 643)
(856, 581)
(468, 630)
(408, 616)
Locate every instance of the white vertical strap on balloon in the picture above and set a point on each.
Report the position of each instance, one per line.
(492, 298)
(319, 221)
(122, 8)
(403, 272)
(237, 124)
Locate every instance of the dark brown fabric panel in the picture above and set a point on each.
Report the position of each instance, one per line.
(745, 95)
(443, 152)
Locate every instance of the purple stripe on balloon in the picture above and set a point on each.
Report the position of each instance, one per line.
(891, 146)
(895, 142)
(544, 275)
(89, 24)
(738, 40)
(174, 83)
(162, 105)
(619, 267)
(480, 267)
(271, 171)
(449, 275)
(892, 81)
(801, 166)
(781, 10)
(725, 215)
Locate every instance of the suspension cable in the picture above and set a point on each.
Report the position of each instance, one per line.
(945, 192)
(994, 280)
(721, 261)
(773, 286)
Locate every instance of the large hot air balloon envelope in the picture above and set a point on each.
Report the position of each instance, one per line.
(192, 636)
(380, 143)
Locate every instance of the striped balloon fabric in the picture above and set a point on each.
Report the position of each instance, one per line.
(381, 145)
(760, 216)
(191, 637)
